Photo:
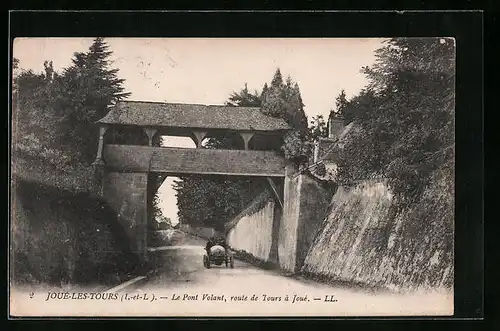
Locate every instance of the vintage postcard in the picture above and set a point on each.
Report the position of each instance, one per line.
(232, 177)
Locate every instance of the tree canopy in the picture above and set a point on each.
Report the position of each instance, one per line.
(406, 116)
(60, 108)
(318, 127)
(283, 99)
(91, 86)
(245, 98)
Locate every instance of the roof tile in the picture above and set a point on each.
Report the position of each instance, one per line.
(192, 116)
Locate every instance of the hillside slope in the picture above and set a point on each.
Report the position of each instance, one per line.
(59, 237)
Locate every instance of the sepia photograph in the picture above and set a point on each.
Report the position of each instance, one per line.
(232, 177)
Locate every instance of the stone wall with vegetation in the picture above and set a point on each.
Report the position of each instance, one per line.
(315, 199)
(364, 240)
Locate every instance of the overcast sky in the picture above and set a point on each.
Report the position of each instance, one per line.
(206, 71)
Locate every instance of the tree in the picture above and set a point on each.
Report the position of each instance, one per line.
(244, 98)
(408, 110)
(318, 128)
(55, 112)
(341, 109)
(213, 201)
(274, 100)
(156, 210)
(341, 103)
(277, 81)
(15, 74)
(90, 87)
(163, 223)
(265, 88)
(296, 148)
(295, 109)
(283, 100)
(35, 119)
(52, 118)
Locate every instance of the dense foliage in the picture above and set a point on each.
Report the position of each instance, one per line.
(402, 133)
(341, 104)
(56, 111)
(245, 98)
(212, 201)
(283, 100)
(405, 117)
(318, 127)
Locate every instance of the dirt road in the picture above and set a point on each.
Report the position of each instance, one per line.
(181, 286)
(188, 288)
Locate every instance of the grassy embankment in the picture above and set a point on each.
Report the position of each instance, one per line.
(61, 233)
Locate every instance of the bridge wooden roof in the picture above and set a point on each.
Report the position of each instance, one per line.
(177, 115)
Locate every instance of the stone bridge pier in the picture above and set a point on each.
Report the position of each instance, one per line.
(127, 194)
(278, 230)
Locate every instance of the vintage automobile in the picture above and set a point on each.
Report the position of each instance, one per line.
(217, 256)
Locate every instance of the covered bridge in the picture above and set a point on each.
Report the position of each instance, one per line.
(197, 122)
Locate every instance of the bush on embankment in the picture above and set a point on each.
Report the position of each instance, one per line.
(60, 236)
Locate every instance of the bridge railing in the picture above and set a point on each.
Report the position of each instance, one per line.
(194, 161)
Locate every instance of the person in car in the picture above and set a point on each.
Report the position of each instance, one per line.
(222, 242)
(212, 241)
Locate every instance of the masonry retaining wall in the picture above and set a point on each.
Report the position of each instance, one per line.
(361, 241)
(126, 194)
(252, 231)
(305, 205)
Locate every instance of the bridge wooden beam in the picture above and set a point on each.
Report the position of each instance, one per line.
(275, 191)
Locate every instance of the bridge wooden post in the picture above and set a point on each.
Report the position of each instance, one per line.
(198, 137)
(151, 133)
(102, 131)
(246, 136)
